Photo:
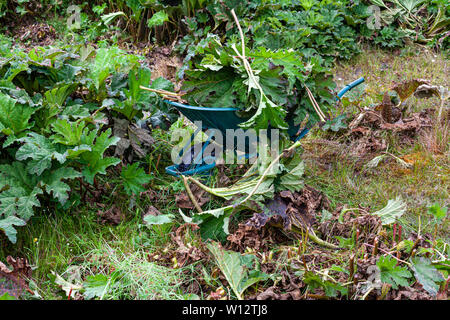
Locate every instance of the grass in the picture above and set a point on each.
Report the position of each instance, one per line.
(383, 69)
(428, 181)
(130, 274)
(53, 244)
(58, 241)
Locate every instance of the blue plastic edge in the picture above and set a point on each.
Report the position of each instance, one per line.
(172, 170)
(350, 86)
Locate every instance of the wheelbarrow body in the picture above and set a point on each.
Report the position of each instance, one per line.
(222, 119)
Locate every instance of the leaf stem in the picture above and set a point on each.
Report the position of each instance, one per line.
(190, 194)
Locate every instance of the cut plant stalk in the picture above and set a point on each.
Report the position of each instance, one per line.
(375, 247)
(172, 96)
(191, 195)
(414, 247)
(251, 187)
(315, 105)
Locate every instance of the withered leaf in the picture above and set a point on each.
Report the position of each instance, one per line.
(120, 130)
(291, 209)
(184, 202)
(112, 216)
(153, 211)
(187, 253)
(14, 281)
(140, 139)
(407, 88)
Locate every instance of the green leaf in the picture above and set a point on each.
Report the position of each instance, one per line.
(136, 78)
(213, 223)
(331, 289)
(26, 203)
(93, 160)
(18, 191)
(99, 167)
(67, 133)
(443, 265)
(273, 86)
(158, 19)
(7, 296)
(211, 62)
(53, 182)
(326, 215)
(17, 202)
(57, 96)
(133, 178)
(16, 175)
(14, 118)
(293, 180)
(346, 242)
(437, 211)
(336, 124)
(339, 269)
(75, 153)
(292, 66)
(161, 83)
(41, 150)
(97, 286)
(392, 274)
(108, 18)
(210, 89)
(7, 226)
(106, 61)
(75, 111)
(393, 210)
(235, 268)
(161, 219)
(427, 274)
(137, 99)
(267, 113)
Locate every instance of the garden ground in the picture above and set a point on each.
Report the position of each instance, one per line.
(106, 236)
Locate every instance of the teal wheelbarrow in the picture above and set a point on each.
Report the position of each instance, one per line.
(193, 160)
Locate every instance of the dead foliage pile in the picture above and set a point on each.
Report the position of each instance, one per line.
(15, 281)
(36, 34)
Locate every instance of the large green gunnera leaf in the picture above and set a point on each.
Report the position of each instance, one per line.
(41, 150)
(14, 118)
(93, 160)
(7, 226)
(238, 269)
(426, 274)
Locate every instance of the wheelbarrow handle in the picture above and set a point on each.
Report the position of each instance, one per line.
(340, 94)
(350, 86)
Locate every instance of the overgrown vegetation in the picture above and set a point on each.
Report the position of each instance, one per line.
(55, 109)
(357, 210)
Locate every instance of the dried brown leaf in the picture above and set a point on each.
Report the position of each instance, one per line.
(113, 216)
(184, 202)
(407, 88)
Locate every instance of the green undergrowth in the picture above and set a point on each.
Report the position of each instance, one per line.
(117, 257)
(113, 262)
